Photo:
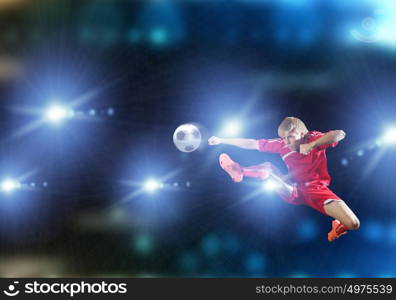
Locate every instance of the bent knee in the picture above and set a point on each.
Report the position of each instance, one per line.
(353, 224)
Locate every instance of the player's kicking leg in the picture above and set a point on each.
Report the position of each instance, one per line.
(344, 219)
(262, 171)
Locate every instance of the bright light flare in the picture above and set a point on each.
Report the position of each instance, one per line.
(270, 185)
(152, 185)
(9, 185)
(390, 136)
(232, 128)
(56, 114)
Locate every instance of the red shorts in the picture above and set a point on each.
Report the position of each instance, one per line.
(313, 194)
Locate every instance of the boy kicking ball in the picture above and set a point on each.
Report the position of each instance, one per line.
(304, 153)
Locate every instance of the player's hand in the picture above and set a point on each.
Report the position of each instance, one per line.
(306, 148)
(214, 140)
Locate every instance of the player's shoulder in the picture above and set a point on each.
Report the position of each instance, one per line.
(277, 142)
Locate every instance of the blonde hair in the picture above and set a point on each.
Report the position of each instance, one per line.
(290, 123)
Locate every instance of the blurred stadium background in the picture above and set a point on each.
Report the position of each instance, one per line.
(125, 74)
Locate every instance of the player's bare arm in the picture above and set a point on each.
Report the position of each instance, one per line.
(329, 138)
(250, 144)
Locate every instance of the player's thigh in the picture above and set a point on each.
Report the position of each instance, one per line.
(340, 211)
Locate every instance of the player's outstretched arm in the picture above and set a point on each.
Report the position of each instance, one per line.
(238, 142)
(330, 137)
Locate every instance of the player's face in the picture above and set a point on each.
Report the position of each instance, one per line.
(293, 139)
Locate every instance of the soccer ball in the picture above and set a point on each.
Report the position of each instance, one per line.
(187, 138)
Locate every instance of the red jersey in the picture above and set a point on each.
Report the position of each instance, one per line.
(302, 168)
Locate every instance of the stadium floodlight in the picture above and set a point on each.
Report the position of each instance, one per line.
(151, 185)
(9, 185)
(232, 128)
(56, 114)
(270, 185)
(390, 136)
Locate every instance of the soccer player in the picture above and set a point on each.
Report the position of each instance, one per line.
(307, 182)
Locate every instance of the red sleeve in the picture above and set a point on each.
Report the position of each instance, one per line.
(314, 135)
(272, 145)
